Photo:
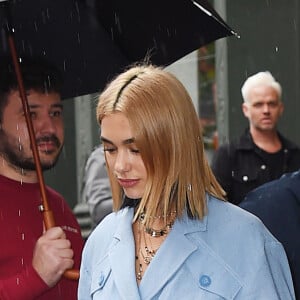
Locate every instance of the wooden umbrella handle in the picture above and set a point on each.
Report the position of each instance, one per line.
(47, 213)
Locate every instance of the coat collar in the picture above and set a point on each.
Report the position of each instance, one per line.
(166, 262)
(245, 141)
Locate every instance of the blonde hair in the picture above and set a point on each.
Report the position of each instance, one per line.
(260, 79)
(168, 135)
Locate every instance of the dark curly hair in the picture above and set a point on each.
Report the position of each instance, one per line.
(37, 74)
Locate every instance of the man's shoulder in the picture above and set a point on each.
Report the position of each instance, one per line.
(54, 194)
(288, 144)
(57, 202)
(287, 180)
(244, 141)
(98, 150)
(279, 190)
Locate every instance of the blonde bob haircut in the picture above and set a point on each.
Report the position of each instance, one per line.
(168, 134)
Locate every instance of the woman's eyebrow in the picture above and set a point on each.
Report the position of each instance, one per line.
(105, 140)
(125, 142)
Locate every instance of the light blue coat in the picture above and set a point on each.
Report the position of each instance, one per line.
(227, 255)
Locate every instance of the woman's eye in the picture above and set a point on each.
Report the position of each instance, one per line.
(109, 149)
(135, 151)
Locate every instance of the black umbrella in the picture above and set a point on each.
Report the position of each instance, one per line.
(90, 41)
(167, 29)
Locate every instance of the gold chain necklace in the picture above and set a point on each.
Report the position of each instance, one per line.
(139, 270)
(146, 253)
(158, 232)
(145, 257)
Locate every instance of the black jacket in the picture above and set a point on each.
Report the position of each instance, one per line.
(277, 204)
(240, 167)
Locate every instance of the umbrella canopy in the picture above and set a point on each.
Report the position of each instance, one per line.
(166, 29)
(92, 40)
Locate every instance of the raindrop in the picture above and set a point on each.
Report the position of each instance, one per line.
(18, 281)
(49, 81)
(23, 236)
(276, 49)
(118, 23)
(112, 33)
(71, 16)
(47, 13)
(78, 38)
(22, 261)
(77, 9)
(23, 45)
(45, 87)
(19, 212)
(64, 65)
(35, 26)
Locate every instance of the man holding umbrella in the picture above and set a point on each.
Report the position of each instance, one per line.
(33, 259)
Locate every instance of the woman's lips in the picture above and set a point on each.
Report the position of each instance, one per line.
(127, 183)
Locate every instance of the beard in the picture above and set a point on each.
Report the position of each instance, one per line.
(13, 152)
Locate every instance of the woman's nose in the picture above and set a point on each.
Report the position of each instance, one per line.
(122, 163)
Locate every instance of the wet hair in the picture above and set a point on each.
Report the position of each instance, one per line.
(37, 74)
(260, 79)
(168, 134)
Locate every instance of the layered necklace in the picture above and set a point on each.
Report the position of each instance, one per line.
(149, 241)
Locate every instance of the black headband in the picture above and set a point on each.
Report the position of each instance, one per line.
(122, 89)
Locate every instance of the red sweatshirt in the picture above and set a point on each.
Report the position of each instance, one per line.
(21, 224)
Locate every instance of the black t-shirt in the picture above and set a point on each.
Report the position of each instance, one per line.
(274, 162)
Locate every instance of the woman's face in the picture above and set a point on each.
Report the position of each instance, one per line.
(122, 155)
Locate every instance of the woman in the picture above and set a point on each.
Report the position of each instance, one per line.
(172, 236)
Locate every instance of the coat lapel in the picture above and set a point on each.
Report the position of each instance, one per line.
(122, 258)
(169, 258)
